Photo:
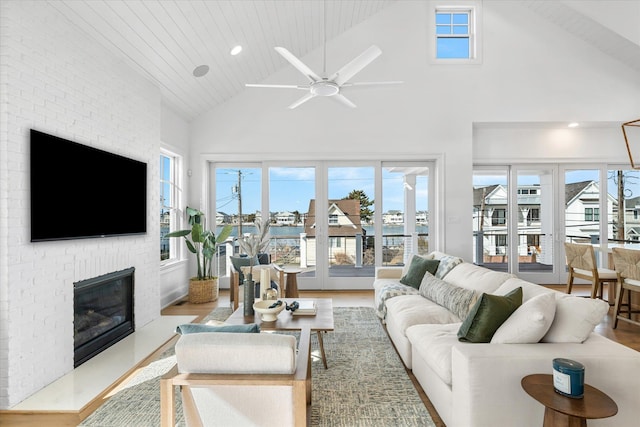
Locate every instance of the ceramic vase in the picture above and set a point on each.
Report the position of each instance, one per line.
(249, 295)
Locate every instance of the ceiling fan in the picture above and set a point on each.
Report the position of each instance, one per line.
(333, 85)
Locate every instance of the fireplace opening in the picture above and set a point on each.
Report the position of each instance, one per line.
(103, 313)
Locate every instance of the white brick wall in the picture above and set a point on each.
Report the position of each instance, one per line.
(55, 79)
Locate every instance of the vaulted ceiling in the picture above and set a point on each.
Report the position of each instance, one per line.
(166, 40)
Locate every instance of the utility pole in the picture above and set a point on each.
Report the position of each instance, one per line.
(621, 206)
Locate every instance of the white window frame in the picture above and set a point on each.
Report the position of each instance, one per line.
(474, 8)
(175, 204)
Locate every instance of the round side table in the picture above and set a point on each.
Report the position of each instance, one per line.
(565, 411)
(291, 289)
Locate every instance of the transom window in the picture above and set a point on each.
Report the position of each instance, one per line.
(454, 34)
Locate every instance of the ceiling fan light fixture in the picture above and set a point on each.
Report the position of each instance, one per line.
(325, 88)
(235, 50)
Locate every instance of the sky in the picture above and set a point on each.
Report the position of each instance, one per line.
(292, 188)
(632, 185)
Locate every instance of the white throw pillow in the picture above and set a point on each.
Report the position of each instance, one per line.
(529, 323)
(575, 318)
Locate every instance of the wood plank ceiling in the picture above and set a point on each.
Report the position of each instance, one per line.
(166, 39)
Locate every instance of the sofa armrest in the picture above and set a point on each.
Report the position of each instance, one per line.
(486, 379)
(388, 272)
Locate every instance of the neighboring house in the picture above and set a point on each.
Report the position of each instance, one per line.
(222, 218)
(582, 210)
(422, 217)
(285, 218)
(393, 217)
(344, 231)
(582, 216)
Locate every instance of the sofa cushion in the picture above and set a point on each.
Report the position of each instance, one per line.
(409, 310)
(456, 299)
(575, 318)
(192, 328)
(417, 268)
(433, 343)
(389, 288)
(487, 315)
(232, 353)
(447, 263)
(529, 322)
(481, 279)
(529, 290)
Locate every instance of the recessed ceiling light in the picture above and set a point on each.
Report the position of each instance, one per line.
(236, 50)
(574, 124)
(200, 70)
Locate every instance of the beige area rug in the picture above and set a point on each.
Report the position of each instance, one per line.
(365, 385)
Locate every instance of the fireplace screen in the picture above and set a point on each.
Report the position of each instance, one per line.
(103, 313)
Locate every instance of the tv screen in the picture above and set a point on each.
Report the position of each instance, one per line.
(79, 191)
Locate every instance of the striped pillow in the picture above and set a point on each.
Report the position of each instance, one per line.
(454, 298)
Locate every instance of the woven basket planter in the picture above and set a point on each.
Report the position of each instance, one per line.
(201, 291)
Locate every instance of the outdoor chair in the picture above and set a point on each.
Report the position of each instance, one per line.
(627, 264)
(239, 379)
(581, 261)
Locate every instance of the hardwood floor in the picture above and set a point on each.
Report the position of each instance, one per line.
(626, 334)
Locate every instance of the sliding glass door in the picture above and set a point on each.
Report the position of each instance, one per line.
(524, 213)
(533, 233)
(325, 216)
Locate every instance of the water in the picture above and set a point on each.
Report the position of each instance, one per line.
(290, 231)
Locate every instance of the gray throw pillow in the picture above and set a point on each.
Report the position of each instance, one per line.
(417, 269)
(456, 299)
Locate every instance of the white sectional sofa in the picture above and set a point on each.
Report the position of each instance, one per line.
(478, 384)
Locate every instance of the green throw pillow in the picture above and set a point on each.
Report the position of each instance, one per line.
(417, 269)
(192, 328)
(487, 315)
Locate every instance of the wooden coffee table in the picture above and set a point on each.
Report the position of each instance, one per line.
(320, 323)
(566, 411)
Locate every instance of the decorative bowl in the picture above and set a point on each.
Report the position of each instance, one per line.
(268, 314)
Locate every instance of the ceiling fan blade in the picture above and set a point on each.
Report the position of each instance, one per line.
(343, 100)
(302, 100)
(278, 86)
(372, 83)
(293, 60)
(352, 68)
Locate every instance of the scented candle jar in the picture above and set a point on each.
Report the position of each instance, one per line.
(568, 378)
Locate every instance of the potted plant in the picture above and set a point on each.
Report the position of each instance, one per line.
(203, 243)
(252, 245)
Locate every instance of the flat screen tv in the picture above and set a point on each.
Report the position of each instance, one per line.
(80, 192)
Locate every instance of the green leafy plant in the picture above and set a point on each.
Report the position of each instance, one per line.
(203, 242)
